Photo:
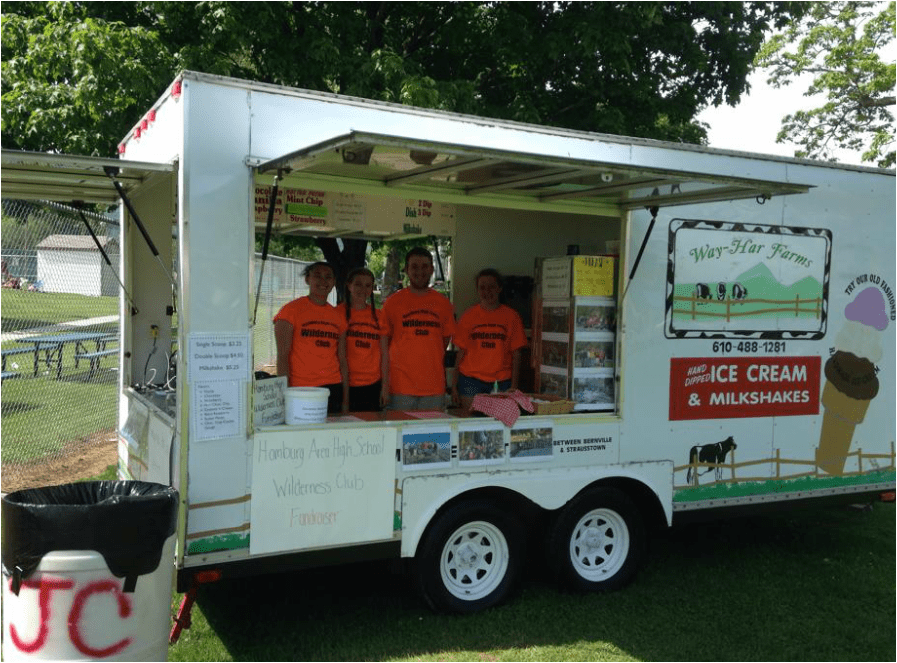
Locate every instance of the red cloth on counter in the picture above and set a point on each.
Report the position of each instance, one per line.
(504, 407)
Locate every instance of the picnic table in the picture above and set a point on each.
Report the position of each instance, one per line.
(52, 346)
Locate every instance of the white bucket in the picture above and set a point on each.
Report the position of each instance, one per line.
(306, 405)
(72, 608)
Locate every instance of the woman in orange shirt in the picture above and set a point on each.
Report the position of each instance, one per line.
(368, 390)
(489, 337)
(311, 340)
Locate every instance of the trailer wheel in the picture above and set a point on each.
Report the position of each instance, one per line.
(597, 543)
(470, 558)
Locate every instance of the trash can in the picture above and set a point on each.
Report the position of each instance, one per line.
(87, 571)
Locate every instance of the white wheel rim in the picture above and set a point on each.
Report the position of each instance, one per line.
(474, 561)
(599, 544)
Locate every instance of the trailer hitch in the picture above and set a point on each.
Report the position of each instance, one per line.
(183, 619)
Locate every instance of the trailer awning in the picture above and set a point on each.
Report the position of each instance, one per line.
(67, 178)
(608, 178)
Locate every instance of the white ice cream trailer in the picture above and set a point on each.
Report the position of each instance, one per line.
(741, 354)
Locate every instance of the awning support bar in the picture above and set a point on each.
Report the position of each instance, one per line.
(111, 172)
(638, 258)
(271, 201)
(77, 205)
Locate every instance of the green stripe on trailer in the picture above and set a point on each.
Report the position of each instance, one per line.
(798, 485)
(219, 542)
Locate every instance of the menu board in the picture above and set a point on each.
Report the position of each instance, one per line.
(330, 210)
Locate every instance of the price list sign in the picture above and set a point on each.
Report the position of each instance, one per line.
(218, 357)
(219, 368)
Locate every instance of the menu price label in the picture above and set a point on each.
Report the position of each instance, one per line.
(219, 357)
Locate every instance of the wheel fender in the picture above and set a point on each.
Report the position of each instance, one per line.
(423, 496)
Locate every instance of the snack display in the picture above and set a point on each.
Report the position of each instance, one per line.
(851, 381)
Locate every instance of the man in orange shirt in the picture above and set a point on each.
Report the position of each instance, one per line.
(419, 324)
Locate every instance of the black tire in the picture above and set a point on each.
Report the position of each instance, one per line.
(469, 558)
(597, 543)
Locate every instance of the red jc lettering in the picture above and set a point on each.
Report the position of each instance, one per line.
(45, 588)
(124, 611)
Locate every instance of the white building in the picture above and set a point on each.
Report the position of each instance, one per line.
(72, 263)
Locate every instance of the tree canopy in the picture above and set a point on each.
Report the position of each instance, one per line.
(76, 75)
(841, 45)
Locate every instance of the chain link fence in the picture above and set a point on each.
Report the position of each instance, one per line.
(60, 333)
(59, 304)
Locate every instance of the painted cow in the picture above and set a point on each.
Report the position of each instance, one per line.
(738, 291)
(702, 291)
(713, 454)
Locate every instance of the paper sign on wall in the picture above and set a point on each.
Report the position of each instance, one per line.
(219, 356)
(216, 410)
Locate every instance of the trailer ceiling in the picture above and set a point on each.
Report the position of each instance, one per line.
(473, 175)
(68, 178)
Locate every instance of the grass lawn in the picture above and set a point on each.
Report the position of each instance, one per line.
(813, 584)
(41, 414)
(25, 310)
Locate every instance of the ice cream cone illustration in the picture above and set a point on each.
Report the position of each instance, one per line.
(851, 380)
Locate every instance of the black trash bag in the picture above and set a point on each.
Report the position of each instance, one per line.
(127, 522)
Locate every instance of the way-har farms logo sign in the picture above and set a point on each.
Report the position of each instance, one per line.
(736, 280)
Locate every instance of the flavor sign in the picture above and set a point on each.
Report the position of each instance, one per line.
(743, 387)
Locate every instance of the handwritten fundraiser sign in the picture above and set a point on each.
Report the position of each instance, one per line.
(739, 387)
(323, 487)
(268, 404)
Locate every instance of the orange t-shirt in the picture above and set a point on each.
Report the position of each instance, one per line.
(363, 347)
(417, 325)
(489, 339)
(316, 332)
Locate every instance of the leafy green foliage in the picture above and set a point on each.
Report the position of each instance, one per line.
(840, 44)
(72, 82)
(77, 75)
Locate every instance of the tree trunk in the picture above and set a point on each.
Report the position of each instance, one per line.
(392, 273)
(351, 256)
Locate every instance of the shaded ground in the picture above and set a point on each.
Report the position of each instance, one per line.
(82, 458)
